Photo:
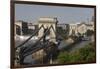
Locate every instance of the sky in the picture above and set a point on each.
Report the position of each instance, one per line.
(31, 13)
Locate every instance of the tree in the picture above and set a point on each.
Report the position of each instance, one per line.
(63, 57)
(89, 32)
(82, 55)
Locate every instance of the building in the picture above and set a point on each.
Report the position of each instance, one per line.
(21, 27)
(80, 28)
(83, 27)
(73, 29)
(63, 26)
(32, 27)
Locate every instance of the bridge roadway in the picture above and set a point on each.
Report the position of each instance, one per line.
(21, 39)
(28, 48)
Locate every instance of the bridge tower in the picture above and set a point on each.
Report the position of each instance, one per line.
(47, 22)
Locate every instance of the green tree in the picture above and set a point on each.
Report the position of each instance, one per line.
(63, 57)
(89, 32)
(85, 54)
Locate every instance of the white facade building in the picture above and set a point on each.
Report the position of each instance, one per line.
(32, 26)
(80, 28)
(73, 29)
